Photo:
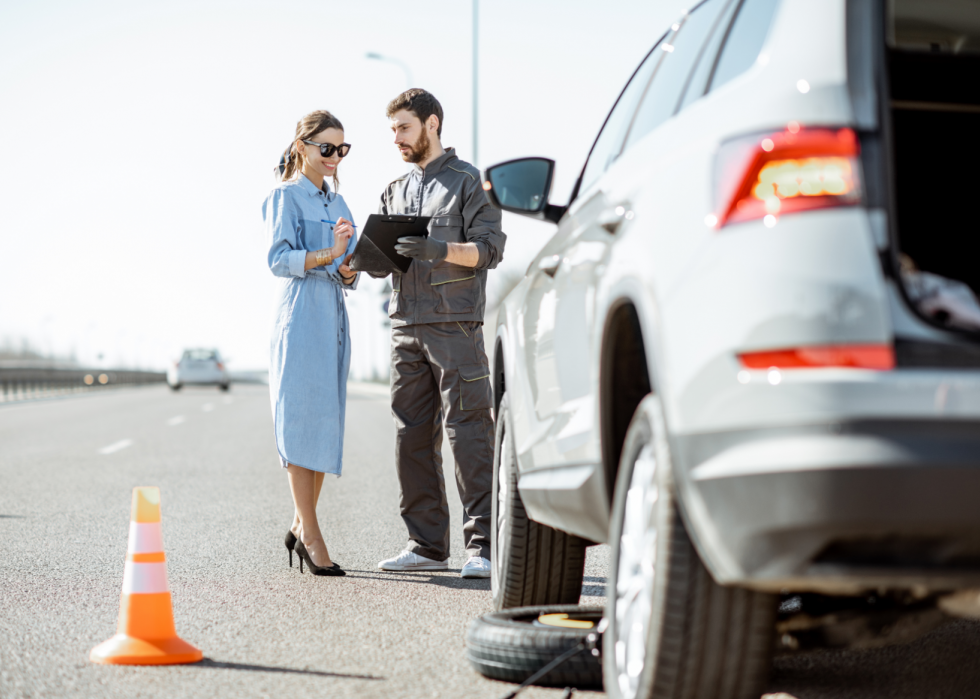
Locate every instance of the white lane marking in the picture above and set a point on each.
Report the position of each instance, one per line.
(207, 407)
(117, 446)
(176, 420)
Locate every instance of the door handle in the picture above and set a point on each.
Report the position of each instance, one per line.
(549, 265)
(612, 219)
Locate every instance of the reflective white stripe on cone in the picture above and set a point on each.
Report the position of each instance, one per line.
(145, 538)
(144, 578)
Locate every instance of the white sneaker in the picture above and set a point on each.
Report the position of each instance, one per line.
(476, 567)
(407, 560)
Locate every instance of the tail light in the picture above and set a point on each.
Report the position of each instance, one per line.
(786, 171)
(221, 367)
(881, 357)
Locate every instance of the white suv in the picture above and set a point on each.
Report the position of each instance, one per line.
(748, 358)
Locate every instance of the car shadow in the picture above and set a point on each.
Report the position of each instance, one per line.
(221, 665)
(941, 664)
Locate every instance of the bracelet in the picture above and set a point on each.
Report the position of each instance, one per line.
(323, 257)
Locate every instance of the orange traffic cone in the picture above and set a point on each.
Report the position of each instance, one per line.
(146, 633)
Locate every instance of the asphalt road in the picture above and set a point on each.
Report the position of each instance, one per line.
(67, 467)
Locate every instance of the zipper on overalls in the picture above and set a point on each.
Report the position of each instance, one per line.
(415, 273)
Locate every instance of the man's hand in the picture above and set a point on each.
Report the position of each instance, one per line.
(420, 248)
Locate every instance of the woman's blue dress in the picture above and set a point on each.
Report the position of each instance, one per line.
(310, 338)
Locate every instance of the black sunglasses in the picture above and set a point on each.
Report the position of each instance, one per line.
(328, 149)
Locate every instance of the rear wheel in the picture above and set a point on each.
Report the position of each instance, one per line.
(176, 387)
(673, 631)
(531, 564)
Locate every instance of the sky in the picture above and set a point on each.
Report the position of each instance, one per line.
(138, 140)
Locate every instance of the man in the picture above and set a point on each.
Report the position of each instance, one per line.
(439, 368)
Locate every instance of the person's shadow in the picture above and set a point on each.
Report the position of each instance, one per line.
(453, 582)
(943, 663)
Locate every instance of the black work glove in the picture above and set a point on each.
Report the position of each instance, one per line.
(420, 248)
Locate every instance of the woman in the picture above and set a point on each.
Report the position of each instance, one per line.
(312, 241)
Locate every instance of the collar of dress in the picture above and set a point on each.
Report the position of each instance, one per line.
(312, 189)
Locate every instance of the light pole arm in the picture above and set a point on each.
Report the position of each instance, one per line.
(388, 59)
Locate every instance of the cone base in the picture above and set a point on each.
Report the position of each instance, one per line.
(126, 650)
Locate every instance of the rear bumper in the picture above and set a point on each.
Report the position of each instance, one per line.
(839, 507)
(197, 378)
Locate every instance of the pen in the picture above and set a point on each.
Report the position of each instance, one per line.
(323, 220)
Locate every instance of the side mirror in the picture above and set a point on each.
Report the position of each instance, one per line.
(522, 186)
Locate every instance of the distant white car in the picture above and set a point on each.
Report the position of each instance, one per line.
(199, 367)
(726, 363)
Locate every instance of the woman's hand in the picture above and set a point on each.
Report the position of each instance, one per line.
(342, 232)
(346, 273)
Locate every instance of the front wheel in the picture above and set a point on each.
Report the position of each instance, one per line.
(530, 563)
(673, 631)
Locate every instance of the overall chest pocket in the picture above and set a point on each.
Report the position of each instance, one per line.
(456, 289)
(448, 228)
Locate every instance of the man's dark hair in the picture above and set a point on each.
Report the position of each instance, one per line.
(420, 103)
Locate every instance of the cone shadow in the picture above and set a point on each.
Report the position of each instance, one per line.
(221, 665)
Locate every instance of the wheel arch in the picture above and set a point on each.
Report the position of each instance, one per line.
(499, 368)
(624, 380)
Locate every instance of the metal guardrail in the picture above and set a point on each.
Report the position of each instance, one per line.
(31, 382)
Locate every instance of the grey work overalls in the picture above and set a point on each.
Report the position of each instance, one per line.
(439, 369)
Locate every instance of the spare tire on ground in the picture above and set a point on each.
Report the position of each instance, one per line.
(513, 644)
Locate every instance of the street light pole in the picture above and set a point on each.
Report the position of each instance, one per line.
(476, 75)
(388, 59)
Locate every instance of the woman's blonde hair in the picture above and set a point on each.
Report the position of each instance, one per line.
(313, 123)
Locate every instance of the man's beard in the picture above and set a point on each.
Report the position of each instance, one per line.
(419, 150)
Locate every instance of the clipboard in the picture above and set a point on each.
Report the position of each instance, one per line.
(375, 249)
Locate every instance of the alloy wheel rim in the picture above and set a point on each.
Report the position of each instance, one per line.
(636, 572)
(503, 496)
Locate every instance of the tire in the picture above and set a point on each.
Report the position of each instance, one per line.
(530, 563)
(509, 645)
(224, 387)
(176, 387)
(673, 632)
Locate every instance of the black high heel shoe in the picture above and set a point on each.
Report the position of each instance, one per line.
(314, 568)
(290, 545)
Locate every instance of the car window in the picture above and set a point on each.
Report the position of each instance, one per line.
(699, 78)
(936, 26)
(608, 146)
(744, 41)
(664, 91)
